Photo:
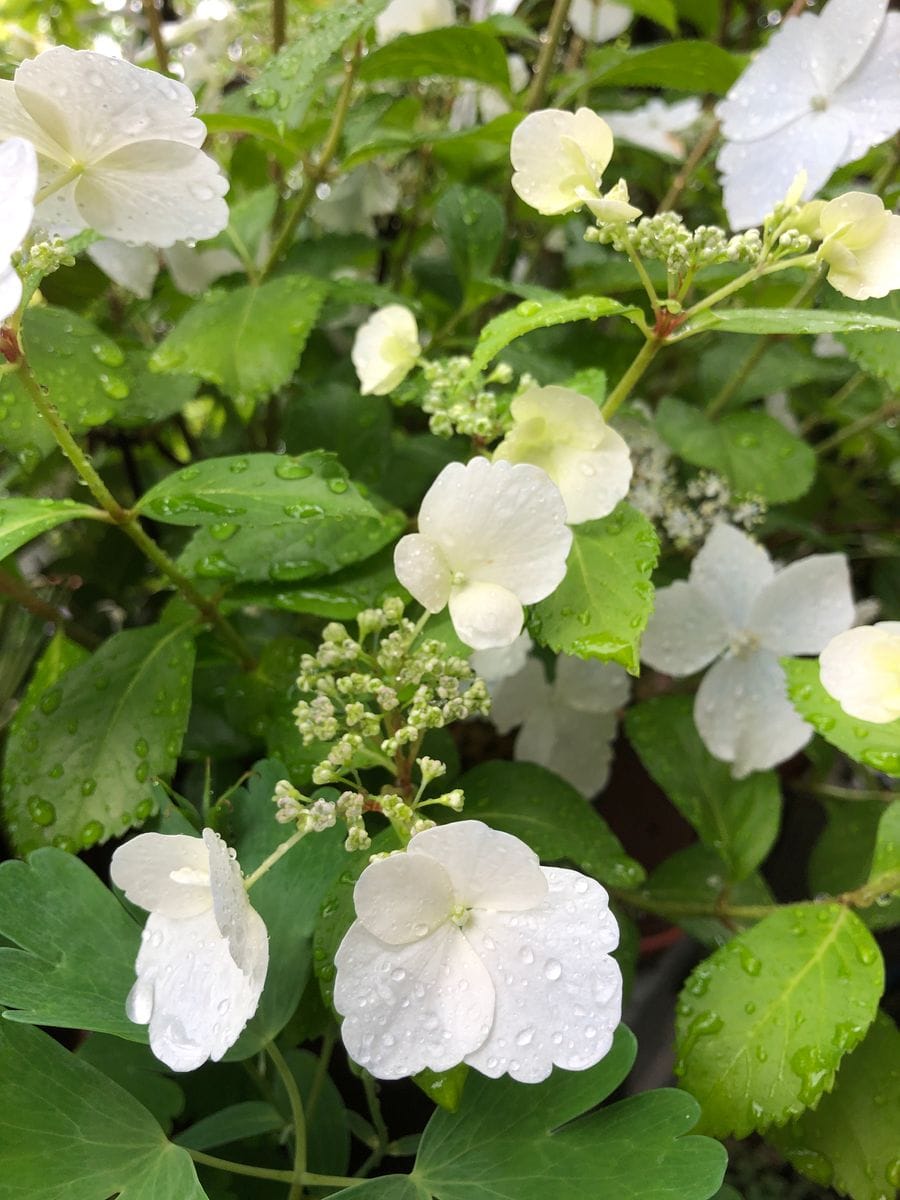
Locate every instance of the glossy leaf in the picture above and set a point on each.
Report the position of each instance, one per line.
(455, 52)
(789, 320)
(683, 66)
(538, 314)
(604, 602)
(859, 845)
(764, 1023)
(736, 818)
(22, 520)
(80, 762)
(471, 222)
(876, 746)
(877, 354)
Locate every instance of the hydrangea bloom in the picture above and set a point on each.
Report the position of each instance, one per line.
(413, 16)
(491, 538)
(654, 125)
(568, 725)
(119, 149)
(599, 20)
(822, 92)
(204, 950)
(861, 244)
(860, 668)
(738, 612)
(18, 181)
(563, 432)
(559, 159)
(465, 949)
(385, 349)
(136, 267)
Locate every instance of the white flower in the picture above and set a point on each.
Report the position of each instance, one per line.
(204, 950)
(491, 538)
(385, 349)
(655, 124)
(18, 182)
(823, 91)
(599, 20)
(559, 159)
(356, 199)
(498, 664)
(563, 432)
(465, 949)
(736, 609)
(861, 244)
(413, 16)
(136, 267)
(860, 668)
(475, 101)
(567, 726)
(119, 149)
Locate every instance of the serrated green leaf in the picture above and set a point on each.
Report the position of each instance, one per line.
(764, 1022)
(754, 452)
(80, 763)
(513, 1143)
(454, 52)
(550, 816)
(21, 520)
(316, 39)
(59, 914)
(788, 320)
(537, 314)
(247, 341)
(604, 602)
(850, 1141)
(736, 818)
(877, 746)
(151, 397)
(134, 1068)
(80, 367)
(471, 222)
(685, 66)
(844, 857)
(69, 1133)
(877, 354)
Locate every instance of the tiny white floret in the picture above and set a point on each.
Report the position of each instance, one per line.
(466, 949)
(385, 349)
(563, 432)
(737, 612)
(18, 183)
(204, 950)
(861, 245)
(860, 668)
(491, 538)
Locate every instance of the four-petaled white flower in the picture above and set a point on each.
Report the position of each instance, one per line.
(385, 349)
(599, 20)
(563, 432)
(413, 16)
(119, 149)
(465, 949)
(654, 125)
(559, 159)
(861, 244)
(737, 609)
(204, 950)
(491, 538)
(823, 91)
(568, 725)
(860, 668)
(18, 182)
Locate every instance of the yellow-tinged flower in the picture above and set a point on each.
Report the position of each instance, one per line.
(860, 668)
(559, 159)
(861, 244)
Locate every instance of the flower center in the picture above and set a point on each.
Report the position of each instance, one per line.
(743, 643)
(458, 579)
(460, 915)
(819, 103)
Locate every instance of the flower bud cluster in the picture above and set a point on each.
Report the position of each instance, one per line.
(666, 238)
(310, 816)
(457, 403)
(687, 517)
(44, 258)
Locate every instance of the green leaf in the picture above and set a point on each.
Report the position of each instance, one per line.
(737, 818)
(604, 602)
(77, 946)
(455, 52)
(69, 1133)
(134, 1068)
(151, 397)
(316, 39)
(686, 66)
(471, 222)
(81, 369)
(660, 11)
(334, 416)
(337, 598)
(859, 844)
(513, 1143)
(23, 520)
(849, 1142)
(754, 452)
(763, 1024)
(246, 1119)
(877, 354)
(550, 816)
(537, 314)
(80, 763)
(388, 1187)
(247, 341)
(788, 320)
(877, 746)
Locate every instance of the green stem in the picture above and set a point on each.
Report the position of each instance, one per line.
(321, 1074)
(632, 376)
(757, 272)
(699, 908)
(381, 1130)
(279, 24)
(832, 792)
(296, 1102)
(127, 520)
(644, 277)
(867, 422)
(154, 24)
(314, 176)
(538, 89)
(268, 863)
(692, 162)
(234, 1168)
(22, 594)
